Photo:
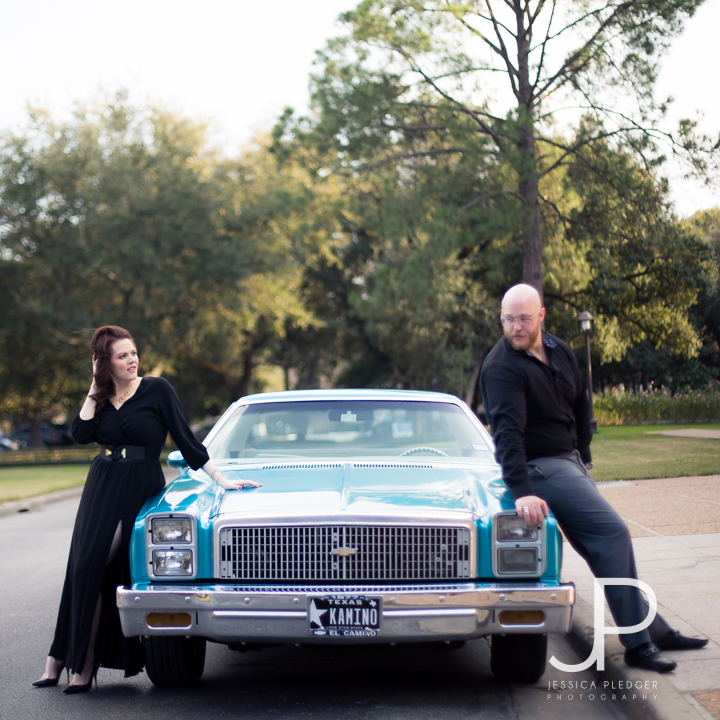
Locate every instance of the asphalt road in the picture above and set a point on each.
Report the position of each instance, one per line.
(287, 682)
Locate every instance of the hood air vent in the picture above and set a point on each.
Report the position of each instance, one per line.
(391, 465)
(302, 466)
(317, 466)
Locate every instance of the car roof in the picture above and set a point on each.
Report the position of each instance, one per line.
(349, 394)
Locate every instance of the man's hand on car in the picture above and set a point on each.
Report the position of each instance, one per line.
(532, 509)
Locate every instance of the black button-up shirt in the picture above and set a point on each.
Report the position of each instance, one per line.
(534, 410)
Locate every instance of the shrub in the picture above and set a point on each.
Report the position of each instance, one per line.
(656, 405)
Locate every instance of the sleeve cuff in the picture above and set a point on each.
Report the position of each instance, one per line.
(200, 464)
(522, 489)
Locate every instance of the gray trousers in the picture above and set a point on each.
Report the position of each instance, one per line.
(598, 534)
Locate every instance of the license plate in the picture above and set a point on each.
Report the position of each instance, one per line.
(345, 615)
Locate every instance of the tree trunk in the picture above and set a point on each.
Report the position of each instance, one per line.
(242, 387)
(309, 379)
(36, 435)
(527, 160)
(255, 342)
(532, 238)
(472, 393)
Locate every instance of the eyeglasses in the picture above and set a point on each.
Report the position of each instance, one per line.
(523, 320)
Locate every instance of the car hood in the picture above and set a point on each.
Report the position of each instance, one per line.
(367, 489)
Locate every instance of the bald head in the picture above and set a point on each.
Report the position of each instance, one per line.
(522, 295)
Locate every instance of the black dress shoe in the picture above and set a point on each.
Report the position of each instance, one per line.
(50, 682)
(46, 682)
(675, 641)
(77, 689)
(648, 657)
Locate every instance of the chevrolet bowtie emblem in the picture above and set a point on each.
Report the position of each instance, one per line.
(344, 552)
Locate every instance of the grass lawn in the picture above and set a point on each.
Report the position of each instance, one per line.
(627, 452)
(17, 483)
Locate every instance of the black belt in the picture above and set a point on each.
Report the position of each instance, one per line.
(121, 453)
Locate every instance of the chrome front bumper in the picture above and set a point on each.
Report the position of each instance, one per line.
(279, 614)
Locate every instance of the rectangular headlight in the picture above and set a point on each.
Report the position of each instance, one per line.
(511, 528)
(172, 562)
(171, 530)
(517, 560)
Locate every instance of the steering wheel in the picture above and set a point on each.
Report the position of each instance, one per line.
(423, 448)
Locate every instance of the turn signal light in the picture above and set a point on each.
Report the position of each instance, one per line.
(169, 620)
(522, 617)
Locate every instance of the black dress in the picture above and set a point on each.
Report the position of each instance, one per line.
(115, 492)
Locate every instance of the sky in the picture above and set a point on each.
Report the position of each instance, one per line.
(238, 63)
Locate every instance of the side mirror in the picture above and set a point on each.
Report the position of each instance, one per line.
(176, 460)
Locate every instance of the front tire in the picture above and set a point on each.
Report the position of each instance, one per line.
(174, 661)
(518, 658)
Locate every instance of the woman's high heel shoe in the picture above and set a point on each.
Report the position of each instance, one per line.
(51, 682)
(75, 689)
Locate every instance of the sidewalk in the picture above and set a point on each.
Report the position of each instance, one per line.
(675, 525)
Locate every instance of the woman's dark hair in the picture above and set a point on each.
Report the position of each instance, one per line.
(101, 349)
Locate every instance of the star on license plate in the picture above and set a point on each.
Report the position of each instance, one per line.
(345, 615)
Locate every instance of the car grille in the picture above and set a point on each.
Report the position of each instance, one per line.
(326, 553)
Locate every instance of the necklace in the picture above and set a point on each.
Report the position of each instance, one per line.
(122, 398)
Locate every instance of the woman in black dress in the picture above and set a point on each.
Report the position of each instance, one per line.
(129, 417)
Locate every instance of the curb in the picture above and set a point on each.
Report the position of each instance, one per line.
(669, 703)
(32, 503)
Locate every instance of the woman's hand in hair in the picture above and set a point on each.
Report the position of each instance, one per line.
(93, 386)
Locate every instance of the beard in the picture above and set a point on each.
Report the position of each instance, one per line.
(526, 339)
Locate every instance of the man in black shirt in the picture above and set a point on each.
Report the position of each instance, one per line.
(537, 406)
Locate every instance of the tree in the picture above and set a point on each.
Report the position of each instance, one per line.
(124, 215)
(632, 352)
(705, 314)
(443, 188)
(645, 269)
(415, 79)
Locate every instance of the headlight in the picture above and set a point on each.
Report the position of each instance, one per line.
(171, 530)
(511, 528)
(172, 562)
(517, 546)
(517, 560)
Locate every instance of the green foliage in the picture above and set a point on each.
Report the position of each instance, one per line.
(368, 244)
(54, 456)
(434, 223)
(705, 314)
(123, 215)
(643, 364)
(411, 82)
(656, 404)
(642, 269)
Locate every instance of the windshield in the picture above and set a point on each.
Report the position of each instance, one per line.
(350, 429)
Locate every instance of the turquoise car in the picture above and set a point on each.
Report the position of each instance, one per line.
(382, 518)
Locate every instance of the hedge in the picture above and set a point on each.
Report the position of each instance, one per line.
(55, 456)
(618, 406)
